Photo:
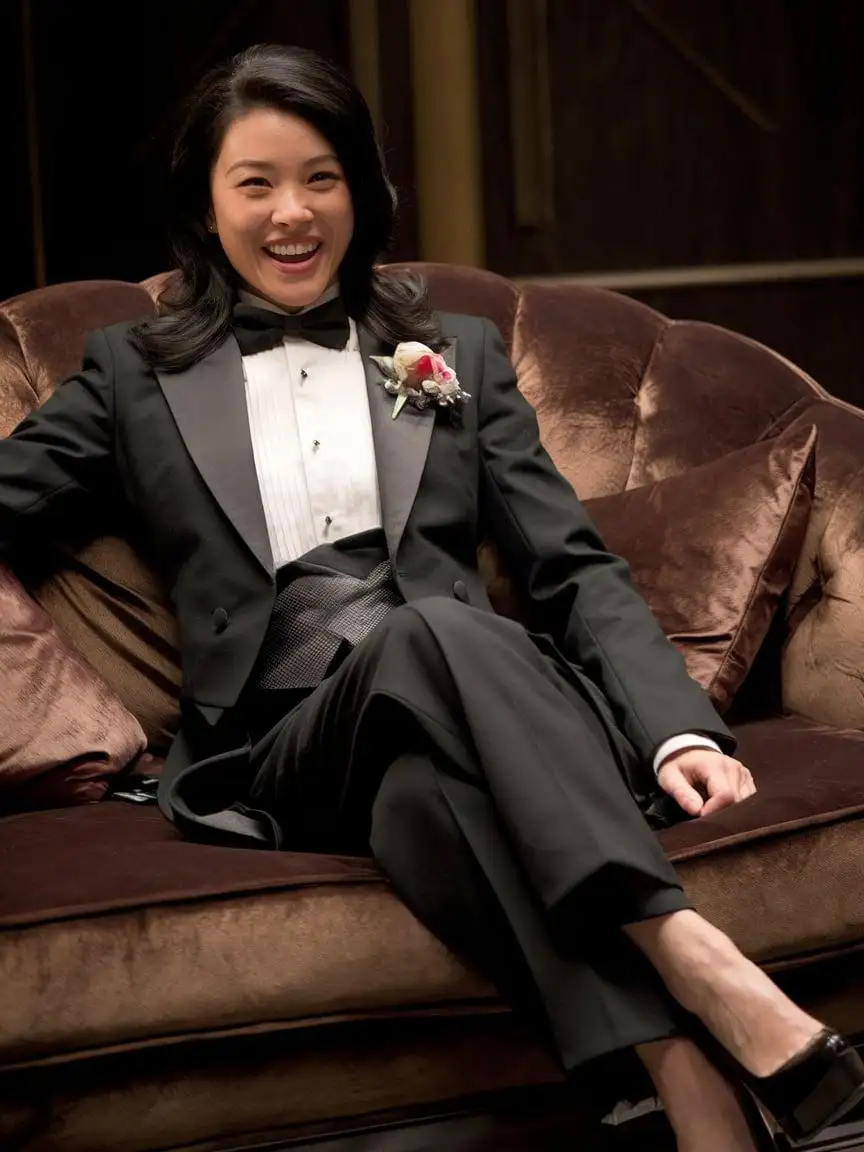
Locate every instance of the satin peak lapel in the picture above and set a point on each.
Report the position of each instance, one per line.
(208, 403)
(401, 446)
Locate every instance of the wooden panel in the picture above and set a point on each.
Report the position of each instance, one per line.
(683, 133)
(397, 116)
(447, 154)
(530, 113)
(364, 24)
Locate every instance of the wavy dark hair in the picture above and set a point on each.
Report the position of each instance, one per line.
(198, 302)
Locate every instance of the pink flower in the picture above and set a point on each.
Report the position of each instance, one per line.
(425, 367)
(414, 362)
(420, 376)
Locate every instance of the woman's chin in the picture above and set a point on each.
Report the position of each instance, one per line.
(291, 298)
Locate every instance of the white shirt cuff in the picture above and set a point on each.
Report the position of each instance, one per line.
(678, 744)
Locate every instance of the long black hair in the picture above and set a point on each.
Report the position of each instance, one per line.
(200, 299)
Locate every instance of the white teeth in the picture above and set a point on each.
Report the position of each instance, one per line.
(292, 249)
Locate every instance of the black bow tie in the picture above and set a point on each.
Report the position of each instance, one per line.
(258, 329)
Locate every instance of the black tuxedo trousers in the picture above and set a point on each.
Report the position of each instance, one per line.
(490, 784)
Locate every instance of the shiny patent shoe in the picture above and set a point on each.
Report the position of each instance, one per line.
(813, 1089)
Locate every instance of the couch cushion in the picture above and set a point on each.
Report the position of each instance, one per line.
(713, 551)
(106, 600)
(580, 356)
(822, 662)
(115, 933)
(707, 392)
(472, 291)
(112, 608)
(42, 337)
(63, 732)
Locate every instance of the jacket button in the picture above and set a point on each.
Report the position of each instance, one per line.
(219, 620)
(460, 591)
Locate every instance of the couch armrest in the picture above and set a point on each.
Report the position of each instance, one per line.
(823, 660)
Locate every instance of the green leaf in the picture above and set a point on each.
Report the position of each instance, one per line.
(399, 405)
(385, 364)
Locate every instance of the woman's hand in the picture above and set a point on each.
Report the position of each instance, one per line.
(703, 781)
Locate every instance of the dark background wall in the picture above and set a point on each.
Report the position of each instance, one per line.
(688, 133)
(693, 133)
(680, 133)
(16, 266)
(107, 82)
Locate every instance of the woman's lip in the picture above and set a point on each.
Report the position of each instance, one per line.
(297, 266)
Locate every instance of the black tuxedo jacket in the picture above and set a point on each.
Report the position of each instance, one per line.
(170, 457)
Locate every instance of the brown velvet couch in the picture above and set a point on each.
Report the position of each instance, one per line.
(158, 994)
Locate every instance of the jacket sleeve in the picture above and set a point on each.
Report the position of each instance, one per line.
(57, 467)
(580, 594)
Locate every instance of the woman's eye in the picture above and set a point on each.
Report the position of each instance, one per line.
(253, 182)
(317, 177)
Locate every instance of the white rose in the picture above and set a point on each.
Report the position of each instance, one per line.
(407, 356)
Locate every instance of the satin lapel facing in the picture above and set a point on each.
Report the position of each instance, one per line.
(208, 402)
(401, 445)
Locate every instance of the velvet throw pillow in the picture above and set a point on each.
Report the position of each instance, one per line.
(63, 731)
(113, 610)
(714, 549)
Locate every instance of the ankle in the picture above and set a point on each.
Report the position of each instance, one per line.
(691, 956)
(739, 1004)
(678, 937)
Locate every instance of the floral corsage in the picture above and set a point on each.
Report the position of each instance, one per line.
(416, 375)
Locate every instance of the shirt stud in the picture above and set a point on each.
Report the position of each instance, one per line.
(303, 373)
(316, 443)
(328, 520)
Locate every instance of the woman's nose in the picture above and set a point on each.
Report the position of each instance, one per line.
(291, 209)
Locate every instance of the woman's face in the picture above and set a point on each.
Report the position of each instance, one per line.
(281, 207)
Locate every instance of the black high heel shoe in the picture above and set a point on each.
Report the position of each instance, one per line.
(813, 1089)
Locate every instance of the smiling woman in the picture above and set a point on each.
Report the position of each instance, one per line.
(281, 207)
(347, 686)
(278, 189)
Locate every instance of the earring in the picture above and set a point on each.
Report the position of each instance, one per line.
(211, 227)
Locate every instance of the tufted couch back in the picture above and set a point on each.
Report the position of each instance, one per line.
(624, 397)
